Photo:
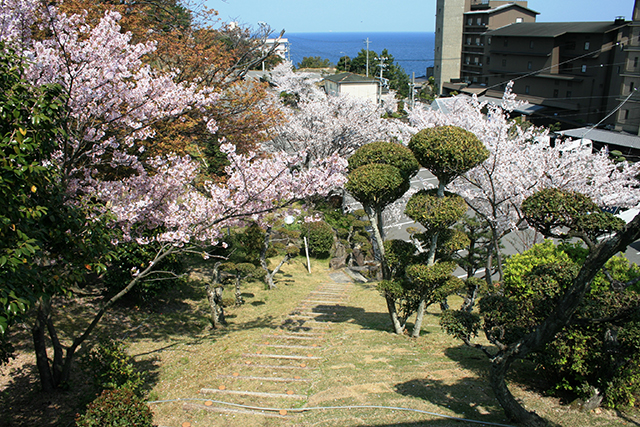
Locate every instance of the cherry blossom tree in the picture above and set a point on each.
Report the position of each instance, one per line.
(323, 125)
(113, 99)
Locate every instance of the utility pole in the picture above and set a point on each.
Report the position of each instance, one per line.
(382, 66)
(367, 41)
(412, 85)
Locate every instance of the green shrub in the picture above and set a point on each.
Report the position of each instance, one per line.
(320, 237)
(116, 408)
(111, 367)
(135, 256)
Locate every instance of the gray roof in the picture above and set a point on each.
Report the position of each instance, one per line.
(605, 137)
(499, 8)
(552, 29)
(349, 78)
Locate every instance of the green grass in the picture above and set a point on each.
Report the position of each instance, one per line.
(362, 364)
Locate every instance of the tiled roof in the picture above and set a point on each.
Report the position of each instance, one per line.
(552, 29)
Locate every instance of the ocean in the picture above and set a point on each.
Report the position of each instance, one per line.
(412, 51)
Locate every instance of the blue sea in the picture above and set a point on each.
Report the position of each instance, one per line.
(412, 51)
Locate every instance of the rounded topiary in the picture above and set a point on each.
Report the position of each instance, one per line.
(447, 151)
(320, 237)
(551, 209)
(116, 408)
(376, 185)
(433, 212)
(388, 153)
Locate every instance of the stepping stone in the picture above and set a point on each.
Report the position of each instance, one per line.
(290, 337)
(274, 379)
(229, 410)
(283, 356)
(289, 346)
(253, 393)
(256, 365)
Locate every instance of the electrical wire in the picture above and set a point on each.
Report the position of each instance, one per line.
(316, 408)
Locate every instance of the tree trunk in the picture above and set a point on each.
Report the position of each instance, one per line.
(239, 299)
(398, 327)
(547, 330)
(513, 410)
(40, 346)
(375, 224)
(214, 296)
(419, 316)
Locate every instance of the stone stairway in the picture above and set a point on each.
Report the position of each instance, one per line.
(280, 372)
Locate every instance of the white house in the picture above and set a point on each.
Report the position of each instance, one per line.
(352, 84)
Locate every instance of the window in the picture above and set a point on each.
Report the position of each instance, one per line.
(504, 62)
(468, 40)
(488, 60)
(526, 90)
(625, 114)
(587, 45)
(466, 60)
(489, 40)
(475, 80)
(470, 21)
(529, 65)
(568, 94)
(631, 87)
(506, 42)
(531, 44)
(584, 68)
(477, 41)
(518, 20)
(635, 62)
(479, 21)
(555, 93)
(476, 60)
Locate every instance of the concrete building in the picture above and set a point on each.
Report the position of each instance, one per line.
(480, 18)
(575, 73)
(448, 41)
(628, 117)
(570, 68)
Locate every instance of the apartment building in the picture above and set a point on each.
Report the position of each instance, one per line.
(575, 73)
(480, 17)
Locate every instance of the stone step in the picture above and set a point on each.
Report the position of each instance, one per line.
(282, 356)
(253, 393)
(261, 366)
(273, 379)
(304, 347)
(229, 410)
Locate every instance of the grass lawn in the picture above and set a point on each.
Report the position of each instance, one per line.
(359, 363)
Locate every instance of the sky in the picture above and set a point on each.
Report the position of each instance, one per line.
(309, 16)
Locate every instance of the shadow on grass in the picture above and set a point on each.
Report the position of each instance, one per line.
(465, 396)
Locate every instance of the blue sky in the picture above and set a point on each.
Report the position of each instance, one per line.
(296, 16)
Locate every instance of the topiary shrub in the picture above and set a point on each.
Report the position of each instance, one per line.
(116, 408)
(447, 151)
(320, 237)
(111, 367)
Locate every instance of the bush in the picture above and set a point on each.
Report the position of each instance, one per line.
(131, 256)
(320, 237)
(111, 367)
(116, 408)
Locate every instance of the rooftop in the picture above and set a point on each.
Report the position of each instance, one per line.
(499, 9)
(349, 78)
(605, 136)
(553, 29)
